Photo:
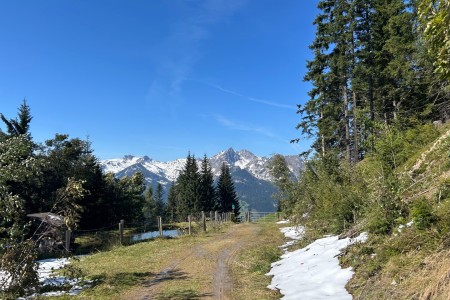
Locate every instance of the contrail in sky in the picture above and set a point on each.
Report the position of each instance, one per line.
(262, 101)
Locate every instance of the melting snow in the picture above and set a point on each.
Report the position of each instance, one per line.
(48, 278)
(313, 272)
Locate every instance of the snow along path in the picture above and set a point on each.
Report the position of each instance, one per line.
(313, 272)
(47, 277)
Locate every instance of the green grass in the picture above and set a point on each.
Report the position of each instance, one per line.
(254, 262)
(124, 267)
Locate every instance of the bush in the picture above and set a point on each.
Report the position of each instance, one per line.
(422, 214)
(379, 221)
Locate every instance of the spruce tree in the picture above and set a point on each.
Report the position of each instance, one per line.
(172, 203)
(20, 125)
(188, 183)
(149, 208)
(206, 189)
(160, 207)
(227, 198)
(365, 70)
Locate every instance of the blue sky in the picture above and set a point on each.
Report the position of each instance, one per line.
(159, 78)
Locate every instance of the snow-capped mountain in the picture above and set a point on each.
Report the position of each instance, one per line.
(250, 173)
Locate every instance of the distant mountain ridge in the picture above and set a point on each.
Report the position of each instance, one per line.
(252, 179)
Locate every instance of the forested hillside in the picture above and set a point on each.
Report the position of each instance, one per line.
(380, 159)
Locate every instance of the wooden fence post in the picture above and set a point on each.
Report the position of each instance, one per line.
(68, 236)
(204, 221)
(160, 226)
(121, 223)
(190, 220)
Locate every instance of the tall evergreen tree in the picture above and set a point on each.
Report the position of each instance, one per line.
(227, 198)
(365, 70)
(206, 189)
(172, 202)
(149, 206)
(188, 189)
(160, 207)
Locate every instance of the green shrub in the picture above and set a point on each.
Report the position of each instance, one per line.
(422, 214)
(379, 221)
(443, 190)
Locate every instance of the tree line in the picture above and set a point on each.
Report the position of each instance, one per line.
(195, 191)
(380, 77)
(38, 176)
(376, 63)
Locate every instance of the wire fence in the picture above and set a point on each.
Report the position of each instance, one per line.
(124, 233)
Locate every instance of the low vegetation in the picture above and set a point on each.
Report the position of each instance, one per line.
(253, 262)
(400, 195)
(184, 267)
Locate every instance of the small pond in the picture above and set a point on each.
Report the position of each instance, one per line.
(154, 234)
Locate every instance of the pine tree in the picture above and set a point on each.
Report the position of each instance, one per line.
(149, 208)
(227, 198)
(188, 183)
(160, 207)
(172, 202)
(16, 127)
(365, 70)
(206, 189)
(330, 72)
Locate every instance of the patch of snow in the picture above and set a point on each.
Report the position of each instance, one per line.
(47, 277)
(314, 272)
(283, 222)
(295, 232)
(401, 226)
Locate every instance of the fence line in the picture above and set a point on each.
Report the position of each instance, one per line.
(127, 233)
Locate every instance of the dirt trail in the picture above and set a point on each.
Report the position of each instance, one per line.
(201, 272)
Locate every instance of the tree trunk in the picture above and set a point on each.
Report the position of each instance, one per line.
(322, 137)
(346, 119)
(355, 131)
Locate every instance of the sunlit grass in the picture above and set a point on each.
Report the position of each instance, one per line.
(254, 262)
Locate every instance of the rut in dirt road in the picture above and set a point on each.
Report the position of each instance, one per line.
(222, 283)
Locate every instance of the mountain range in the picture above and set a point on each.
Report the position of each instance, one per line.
(252, 179)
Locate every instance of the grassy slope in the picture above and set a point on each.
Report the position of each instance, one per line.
(413, 263)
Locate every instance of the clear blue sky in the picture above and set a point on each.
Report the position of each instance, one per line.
(159, 77)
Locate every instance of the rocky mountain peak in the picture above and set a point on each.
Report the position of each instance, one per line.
(230, 156)
(128, 157)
